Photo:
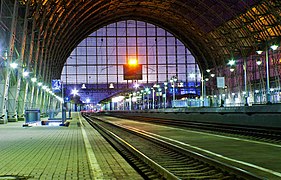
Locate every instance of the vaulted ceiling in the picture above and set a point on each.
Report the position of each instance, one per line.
(213, 30)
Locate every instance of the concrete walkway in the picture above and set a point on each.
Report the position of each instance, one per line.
(56, 152)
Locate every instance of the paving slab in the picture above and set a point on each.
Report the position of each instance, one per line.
(58, 152)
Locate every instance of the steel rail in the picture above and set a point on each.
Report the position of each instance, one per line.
(233, 171)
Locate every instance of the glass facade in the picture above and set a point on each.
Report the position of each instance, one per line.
(98, 60)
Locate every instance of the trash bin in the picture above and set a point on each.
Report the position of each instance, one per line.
(32, 115)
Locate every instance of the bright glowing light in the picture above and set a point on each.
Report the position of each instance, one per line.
(231, 62)
(259, 51)
(257, 91)
(88, 100)
(259, 62)
(14, 65)
(40, 84)
(25, 73)
(74, 92)
(111, 86)
(274, 47)
(231, 69)
(44, 87)
(33, 79)
(212, 75)
(208, 70)
(132, 62)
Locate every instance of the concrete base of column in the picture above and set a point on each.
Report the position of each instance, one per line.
(12, 119)
(21, 119)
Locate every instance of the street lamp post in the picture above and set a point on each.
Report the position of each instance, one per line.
(173, 80)
(159, 97)
(147, 91)
(268, 95)
(153, 91)
(245, 82)
(165, 101)
(267, 77)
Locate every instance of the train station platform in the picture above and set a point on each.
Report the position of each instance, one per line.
(59, 152)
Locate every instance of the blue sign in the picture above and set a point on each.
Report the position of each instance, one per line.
(56, 85)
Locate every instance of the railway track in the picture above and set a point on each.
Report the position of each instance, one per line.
(154, 158)
(272, 135)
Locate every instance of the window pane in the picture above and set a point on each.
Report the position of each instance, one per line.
(102, 56)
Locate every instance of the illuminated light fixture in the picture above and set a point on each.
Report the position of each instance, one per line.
(44, 87)
(233, 94)
(274, 47)
(88, 100)
(206, 79)
(257, 91)
(33, 79)
(231, 62)
(25, 73)
(231, 69)
(83, 86)
(212, 75)
(14, 65)
(259, 51)
(40, 84)
(111, 86)
(208, 70)
(74, 92)
(271, 89)
(132, 62)
(259, 62)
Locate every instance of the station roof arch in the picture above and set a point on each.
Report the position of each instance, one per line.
(213, 30)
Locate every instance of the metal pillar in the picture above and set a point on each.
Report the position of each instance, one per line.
(31, 96)
(245, 81)
(11, 48)
(268, 98)
(21, 61)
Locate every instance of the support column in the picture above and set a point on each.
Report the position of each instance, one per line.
(31, 96)
(4, 105)
(15, 110)
(22, 100)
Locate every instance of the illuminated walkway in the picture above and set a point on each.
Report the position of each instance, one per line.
(54, 152)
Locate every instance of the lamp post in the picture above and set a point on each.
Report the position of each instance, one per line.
(173, 80)
(246, 94)
(147, 91)
(159, 96)
(152, 89)
(268, 94)
(165, 100)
